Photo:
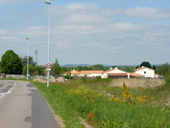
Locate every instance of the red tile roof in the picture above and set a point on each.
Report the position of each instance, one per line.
(108, 70)
(87, 72)
(143, 68)
(134, 74)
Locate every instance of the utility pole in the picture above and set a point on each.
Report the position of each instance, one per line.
(27, 58)
(36, 53)
(48, 65)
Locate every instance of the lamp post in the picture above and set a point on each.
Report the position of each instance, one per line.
(27, 58)
(48, 70)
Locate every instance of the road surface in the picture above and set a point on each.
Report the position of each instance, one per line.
(23, 106)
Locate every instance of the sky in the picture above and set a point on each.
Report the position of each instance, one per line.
(110, 32)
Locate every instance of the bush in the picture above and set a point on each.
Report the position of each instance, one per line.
(84, 79)
(68, 76)
(167, 80)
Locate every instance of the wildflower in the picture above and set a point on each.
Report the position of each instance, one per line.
(142, 99)
(126, 95)
(115, 99)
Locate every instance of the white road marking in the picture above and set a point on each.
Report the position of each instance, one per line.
(9, 91)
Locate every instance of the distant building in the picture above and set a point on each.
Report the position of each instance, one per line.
(115, 73)
(91, 73)
(147, 72)
(143, 72)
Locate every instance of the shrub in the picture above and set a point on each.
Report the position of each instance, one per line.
(68, 76)
(167, 80)
(84, 79)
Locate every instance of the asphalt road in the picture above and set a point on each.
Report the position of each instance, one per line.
(23, 106)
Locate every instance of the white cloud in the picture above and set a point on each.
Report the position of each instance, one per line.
(82, 13)
(148, 13)
(126, 27)
(84, 29)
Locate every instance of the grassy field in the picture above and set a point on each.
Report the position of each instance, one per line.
(105, 105)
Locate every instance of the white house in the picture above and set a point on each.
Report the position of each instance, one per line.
(112, 73)
(147, 72)
(116, 73)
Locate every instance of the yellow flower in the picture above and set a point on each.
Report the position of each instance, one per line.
(115, 99)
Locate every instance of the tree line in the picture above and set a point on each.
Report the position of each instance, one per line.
(11, 63)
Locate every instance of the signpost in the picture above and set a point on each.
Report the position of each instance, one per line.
(48, 66)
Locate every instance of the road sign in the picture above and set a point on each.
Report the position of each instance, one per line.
(48, 66)
(28, 74)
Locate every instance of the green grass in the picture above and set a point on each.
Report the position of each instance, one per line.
(88, 99)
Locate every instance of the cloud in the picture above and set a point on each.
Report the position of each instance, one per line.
(84, 29)
(148, 13)
(83, 13)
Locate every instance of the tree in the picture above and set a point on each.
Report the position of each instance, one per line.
(0, 66)
(97, 67)
(39, 70)
(146, 64)
(31, 61)
(55, 68)
(31, 70)
(11, 63)
(163, 69)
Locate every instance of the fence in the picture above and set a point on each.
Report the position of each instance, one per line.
(15, 76)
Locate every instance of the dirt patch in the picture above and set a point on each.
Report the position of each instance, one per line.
(83, 121)
(59, 121)
(138, 82)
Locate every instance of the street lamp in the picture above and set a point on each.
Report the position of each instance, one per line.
(27, 58)
(48, 70)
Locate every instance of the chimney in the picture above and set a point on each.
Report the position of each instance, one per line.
(110, 68)
(116, 68)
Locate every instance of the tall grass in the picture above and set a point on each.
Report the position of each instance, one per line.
(138, 82)
(91, 99)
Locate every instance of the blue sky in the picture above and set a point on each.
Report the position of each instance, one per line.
(113, 32)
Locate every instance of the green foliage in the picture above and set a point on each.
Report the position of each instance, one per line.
(31, 70)
(98, 77)
(55, 68)
(127, 69)
(92, 102)
(65, 69)
(163, 69)
(68, 76)
(154, 67)
(84, 79)
(31, 61)
(0, 66)
(97, 67)
(146, 64)
(39, 70)
(79, 68)
(167, 80)
(11, 63)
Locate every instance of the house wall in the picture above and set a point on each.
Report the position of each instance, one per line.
(94, 75)
(104, 75)
(146, 72)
